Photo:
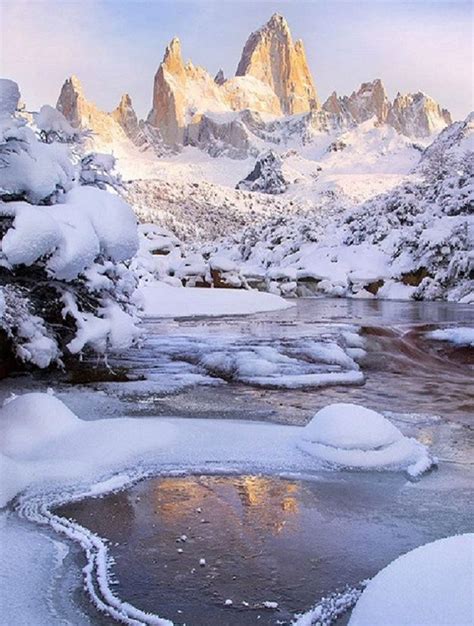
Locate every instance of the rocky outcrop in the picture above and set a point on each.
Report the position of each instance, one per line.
(266, 176)
(417, 115)
(221, 135)
(271, 56)
(414, 115)
(81, 113)
(125, 115)
(370, 100)
(183, 93)
(247, 92)
(219, 78)
(180, 94)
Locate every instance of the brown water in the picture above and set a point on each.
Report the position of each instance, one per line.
(263, 539)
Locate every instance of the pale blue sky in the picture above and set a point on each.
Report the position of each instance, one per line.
(115, 46)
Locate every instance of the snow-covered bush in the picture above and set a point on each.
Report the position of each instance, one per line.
(425, 225)
(64, 281)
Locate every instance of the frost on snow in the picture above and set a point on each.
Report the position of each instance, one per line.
(64, 280)
(355, 437)
(429, 585)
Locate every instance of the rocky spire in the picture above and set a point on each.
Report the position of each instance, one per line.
(219, 78)
(414, 115)
(81, 113)
(271, 56)
(71, 100)
(172, 60)
(125, 115)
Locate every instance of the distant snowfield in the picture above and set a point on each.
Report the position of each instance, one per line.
(374, 161)
(161, 300)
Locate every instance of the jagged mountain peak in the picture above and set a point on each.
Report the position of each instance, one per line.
(74, 82)
(277, 23)
(271, 56)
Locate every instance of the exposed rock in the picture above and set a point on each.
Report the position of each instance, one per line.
(414, 115)
(271, 56)
(369, 101)
(219, 78)
(125, 115)
(181, 92)
(81, 113)
(223, 134)
(417, 115)
(266, 176)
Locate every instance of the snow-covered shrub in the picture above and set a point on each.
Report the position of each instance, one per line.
(98, 170)
(64, 281)
(425, 225)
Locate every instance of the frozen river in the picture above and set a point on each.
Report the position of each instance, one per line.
(289, 539)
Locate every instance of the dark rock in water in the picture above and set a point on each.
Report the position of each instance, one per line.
(266, 176)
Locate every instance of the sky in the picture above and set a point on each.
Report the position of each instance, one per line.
(115, 46)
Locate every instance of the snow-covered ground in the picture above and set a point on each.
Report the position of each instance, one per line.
(162, 300)
(430, 585)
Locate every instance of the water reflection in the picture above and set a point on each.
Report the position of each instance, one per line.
(263, 539)
(242, 503)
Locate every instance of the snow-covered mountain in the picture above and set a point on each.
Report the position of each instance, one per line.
(258, 162)
(271, 99)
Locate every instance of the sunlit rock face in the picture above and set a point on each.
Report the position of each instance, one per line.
(271, 56)
(184, 92)
(418, 115)
(125, 115)
(180, 94)
(84, 114)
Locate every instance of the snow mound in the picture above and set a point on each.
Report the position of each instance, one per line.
(461, 336)
(161, 300)
(349, 426)
(353, 436)
(31, 420)
(429, 585)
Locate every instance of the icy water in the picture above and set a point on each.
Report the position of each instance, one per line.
(263, 539)
(266, 538)
(404, 370)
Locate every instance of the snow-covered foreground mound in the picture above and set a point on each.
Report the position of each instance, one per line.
(461, 336)
(43, 442)
(352, 436)
(429, 586)
(161, 300)
(45, 447)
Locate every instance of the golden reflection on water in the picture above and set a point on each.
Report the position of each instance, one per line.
(249, 501)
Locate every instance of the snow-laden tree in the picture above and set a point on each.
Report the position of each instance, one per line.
(426, 224)
(65, 285)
